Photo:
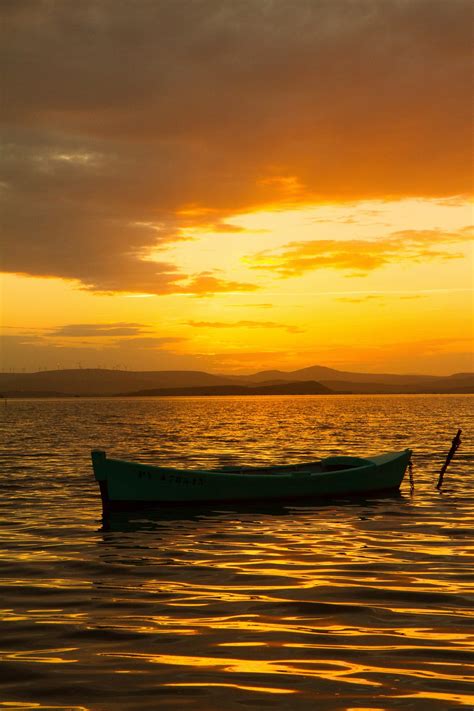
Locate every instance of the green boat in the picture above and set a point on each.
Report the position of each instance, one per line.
(124, 484)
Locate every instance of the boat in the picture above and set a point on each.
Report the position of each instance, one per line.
(125, 484)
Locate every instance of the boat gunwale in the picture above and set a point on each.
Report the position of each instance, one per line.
(304, 469)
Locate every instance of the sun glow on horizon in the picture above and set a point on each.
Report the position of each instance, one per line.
(314, 300)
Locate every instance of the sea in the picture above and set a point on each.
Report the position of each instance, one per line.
(325, 605)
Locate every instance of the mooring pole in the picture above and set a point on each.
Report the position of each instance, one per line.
(454, 445)
(412, 479)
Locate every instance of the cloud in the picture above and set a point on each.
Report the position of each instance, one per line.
(118, 116)
(81, 330)
(205, 284)
(243, 324)
(438, 355)
(126, 336)
(360, 299)
(360, 256)
(226, 227)
(33, 352)
(146, 342)
(78, 339)
(378, 297)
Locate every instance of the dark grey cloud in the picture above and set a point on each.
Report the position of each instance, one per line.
(120, 114)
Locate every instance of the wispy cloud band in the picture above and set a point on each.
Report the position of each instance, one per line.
(360, 256)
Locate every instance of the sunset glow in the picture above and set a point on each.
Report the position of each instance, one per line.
(270, 189)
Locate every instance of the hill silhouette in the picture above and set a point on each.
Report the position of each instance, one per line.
(100, 382)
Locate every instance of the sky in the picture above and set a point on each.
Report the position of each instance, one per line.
(237, 185)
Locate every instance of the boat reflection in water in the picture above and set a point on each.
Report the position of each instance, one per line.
(149, 517)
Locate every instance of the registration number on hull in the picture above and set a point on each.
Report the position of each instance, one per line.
(172, 478)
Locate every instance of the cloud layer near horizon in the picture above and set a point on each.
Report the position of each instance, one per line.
(125, 122)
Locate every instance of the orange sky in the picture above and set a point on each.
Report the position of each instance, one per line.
(235, 186)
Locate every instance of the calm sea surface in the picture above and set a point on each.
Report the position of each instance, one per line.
(344, 605)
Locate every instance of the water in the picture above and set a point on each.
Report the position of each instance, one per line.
(337, 605)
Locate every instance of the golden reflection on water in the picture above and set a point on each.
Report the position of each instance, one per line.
(462, 699)
(347, 605)
(19, 706)
(431, 611)
(341, 671)
(240, 687)
(262, 666)
(39, 656)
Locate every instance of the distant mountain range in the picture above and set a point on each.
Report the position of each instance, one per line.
(314, 380)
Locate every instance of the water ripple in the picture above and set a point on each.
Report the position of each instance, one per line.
(360, 604)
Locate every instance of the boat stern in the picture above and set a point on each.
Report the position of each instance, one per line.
(392, 467)
(99, 460)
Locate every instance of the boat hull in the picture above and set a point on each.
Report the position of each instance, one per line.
(123, 484)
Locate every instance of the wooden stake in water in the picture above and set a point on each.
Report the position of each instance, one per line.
(412, 479)
(454, 445)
